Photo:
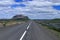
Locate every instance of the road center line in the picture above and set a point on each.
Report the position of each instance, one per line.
(28, 26)
(25, 32)
(23, 35)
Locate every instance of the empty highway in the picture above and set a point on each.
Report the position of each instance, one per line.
(26, 31)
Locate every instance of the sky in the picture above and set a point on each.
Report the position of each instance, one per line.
(34, 9)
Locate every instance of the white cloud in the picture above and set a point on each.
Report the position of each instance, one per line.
(32, 9)
(6, 2)
(40, 3)
(56, 4)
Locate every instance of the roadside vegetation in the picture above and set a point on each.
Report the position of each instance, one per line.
(53, 25)
(17, 19)
(9, 22)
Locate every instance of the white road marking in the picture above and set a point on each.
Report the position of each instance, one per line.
(25, 32)
(23, 35)
(28, 26)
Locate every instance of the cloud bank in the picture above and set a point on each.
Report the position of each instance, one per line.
(36, 9)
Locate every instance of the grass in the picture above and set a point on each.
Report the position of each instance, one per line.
(55, 30)
(10, 22)
(51, 27)
(48, 25)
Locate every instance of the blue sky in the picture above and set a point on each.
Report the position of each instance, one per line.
(57, 7)
(34, 9)
(18, 0)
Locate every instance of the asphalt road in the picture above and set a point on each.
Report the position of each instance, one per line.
(26, 31)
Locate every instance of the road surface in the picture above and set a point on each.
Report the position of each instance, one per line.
(26, 31)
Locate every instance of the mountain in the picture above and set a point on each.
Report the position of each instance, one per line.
(20, 17)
